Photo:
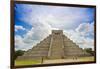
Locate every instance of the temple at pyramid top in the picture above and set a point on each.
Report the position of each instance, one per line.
(57, 32)
(54, 46)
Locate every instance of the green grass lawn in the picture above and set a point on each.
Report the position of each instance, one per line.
(26, 62)
(33, 62)
(87, 58)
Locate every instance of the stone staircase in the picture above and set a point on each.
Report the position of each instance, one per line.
(56, 50)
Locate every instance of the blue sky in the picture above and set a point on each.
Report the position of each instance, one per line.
(34, 22)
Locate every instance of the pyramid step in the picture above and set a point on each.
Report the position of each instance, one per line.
(55, 46)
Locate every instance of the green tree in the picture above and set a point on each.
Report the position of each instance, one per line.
(89, 50)
(18, 53)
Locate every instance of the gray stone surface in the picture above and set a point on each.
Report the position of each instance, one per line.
(55, 46)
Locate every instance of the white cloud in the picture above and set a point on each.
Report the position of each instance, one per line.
(23, 44)
(79, 35)
(86, 28)
(57, 17)
(51, 17)
(37, 33)
(19, 28)
(19, 42)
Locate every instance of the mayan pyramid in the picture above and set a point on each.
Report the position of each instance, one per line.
(55, 46)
